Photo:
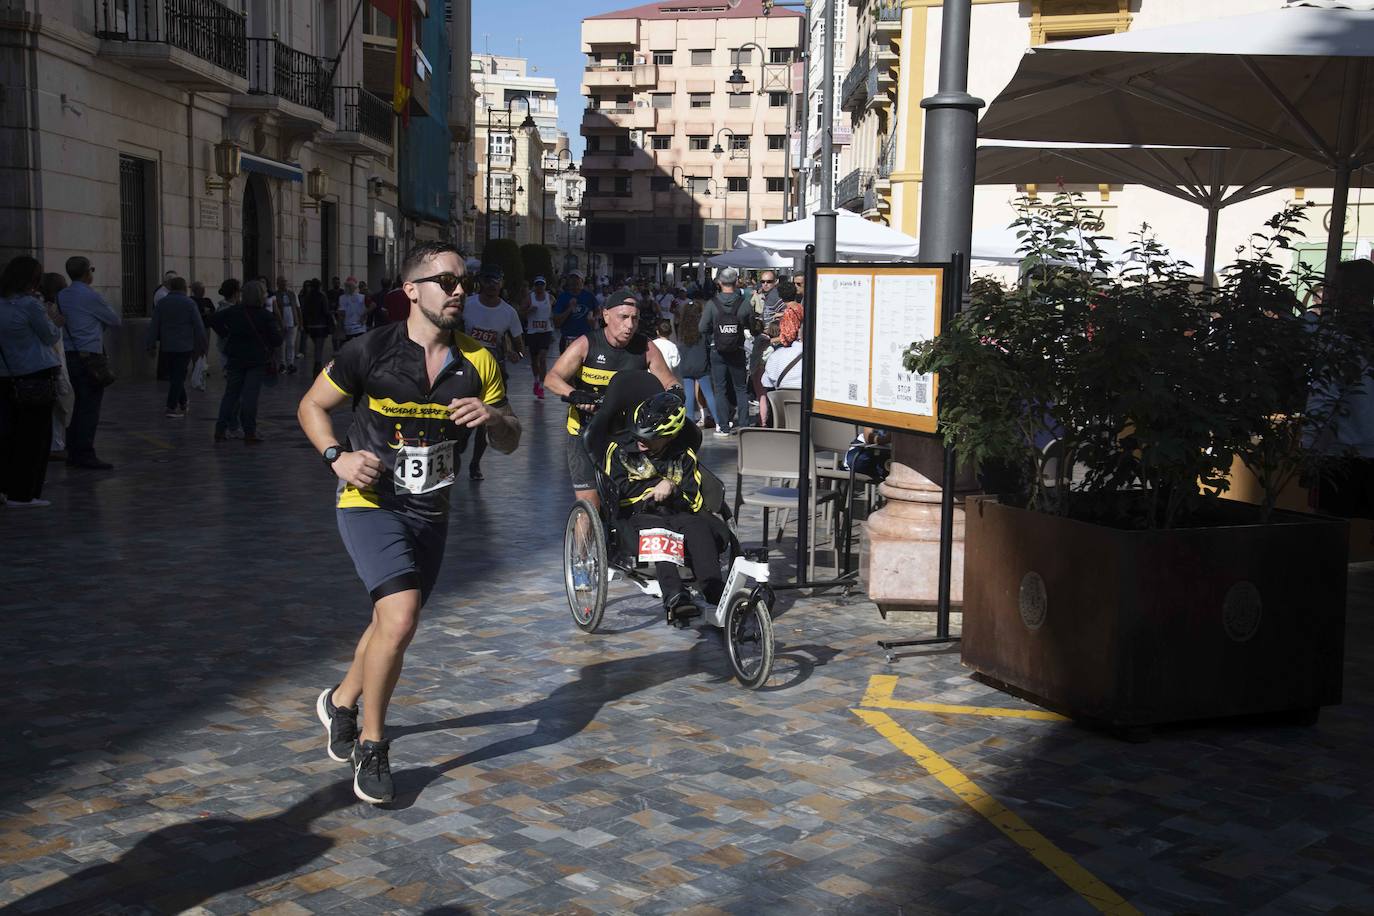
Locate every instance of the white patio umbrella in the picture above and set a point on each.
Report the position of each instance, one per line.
(856, 239)
(1296, 80)
(1002, 246)
(1210, 177)
(749, 259)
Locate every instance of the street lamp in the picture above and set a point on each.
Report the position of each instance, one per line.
(316, 187)
(556, 169)
(504, 205)
(735, 145)
(736, 84)
(228, 156)
(526, 125)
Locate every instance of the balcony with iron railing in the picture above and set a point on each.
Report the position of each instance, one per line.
(196, 45)
(887, 157)
(860, 83)
(887, 16)
(364, 123)
(850, 189)
(293, 82)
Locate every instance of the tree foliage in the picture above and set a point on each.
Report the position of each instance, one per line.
(1134, 376)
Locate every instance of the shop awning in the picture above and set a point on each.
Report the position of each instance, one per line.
(290, 171)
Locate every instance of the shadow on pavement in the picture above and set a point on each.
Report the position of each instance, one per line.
(795, 664)
(565, 712)
(179, 867)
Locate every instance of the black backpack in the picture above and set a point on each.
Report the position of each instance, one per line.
(727, 330)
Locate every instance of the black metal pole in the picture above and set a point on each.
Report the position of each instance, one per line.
(951, 141)
(329, 83)
(954, 297)
(486, 205)
(804, 457)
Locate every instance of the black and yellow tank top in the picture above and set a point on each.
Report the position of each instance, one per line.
(602, 363)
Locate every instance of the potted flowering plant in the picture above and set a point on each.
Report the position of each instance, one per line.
(1108, 578)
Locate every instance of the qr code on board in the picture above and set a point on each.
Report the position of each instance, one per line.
(921, 389)
(853, 392)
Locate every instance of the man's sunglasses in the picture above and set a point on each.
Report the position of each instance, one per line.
(448, 282)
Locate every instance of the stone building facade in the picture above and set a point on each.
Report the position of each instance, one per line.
(219, 139)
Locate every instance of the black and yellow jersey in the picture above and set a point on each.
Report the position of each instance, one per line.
(395, 407)
(635, 473)
(602, 363)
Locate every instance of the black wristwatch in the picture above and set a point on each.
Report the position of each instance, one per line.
(332, 454)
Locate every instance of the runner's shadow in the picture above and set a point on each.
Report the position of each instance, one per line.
(565, 712)
(182, 866)
(796, 664)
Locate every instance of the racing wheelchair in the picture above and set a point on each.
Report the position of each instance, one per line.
(599, 547)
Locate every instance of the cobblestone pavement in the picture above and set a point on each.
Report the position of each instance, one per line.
(169, 625)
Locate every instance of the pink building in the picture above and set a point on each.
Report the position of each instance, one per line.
(679, 161)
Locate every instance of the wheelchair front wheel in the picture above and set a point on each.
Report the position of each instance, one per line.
(749, 639)
(585, 570)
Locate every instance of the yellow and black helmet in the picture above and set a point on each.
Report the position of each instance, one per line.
(662, 415)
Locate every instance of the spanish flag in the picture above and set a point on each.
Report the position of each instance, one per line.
(401, 12)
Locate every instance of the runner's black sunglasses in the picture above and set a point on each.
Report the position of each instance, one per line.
(448, 282)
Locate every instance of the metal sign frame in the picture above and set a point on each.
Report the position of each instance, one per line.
(868, 415)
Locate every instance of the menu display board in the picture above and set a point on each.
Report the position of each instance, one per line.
(866, 316)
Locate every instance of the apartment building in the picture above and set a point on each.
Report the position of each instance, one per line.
(867, 94)
(839, 16)
(516, 159)
(219, 139)
(680, 160)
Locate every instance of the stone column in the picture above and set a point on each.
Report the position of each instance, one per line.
(900, 565)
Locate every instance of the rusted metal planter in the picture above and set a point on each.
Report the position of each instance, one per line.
(1132, 629)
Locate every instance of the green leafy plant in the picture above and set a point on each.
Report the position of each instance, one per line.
(505, 252)
(1120, 393)
(538, 260)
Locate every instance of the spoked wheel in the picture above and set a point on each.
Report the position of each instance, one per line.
(749, 639)
(585, 572)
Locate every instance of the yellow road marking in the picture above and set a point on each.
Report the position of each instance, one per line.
(1078, 878)
(159, 443)
(879, 696)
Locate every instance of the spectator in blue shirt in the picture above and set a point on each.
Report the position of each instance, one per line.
(87, 315)
(574, 312)
(27, 336)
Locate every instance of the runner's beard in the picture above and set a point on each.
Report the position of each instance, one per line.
(442, 321)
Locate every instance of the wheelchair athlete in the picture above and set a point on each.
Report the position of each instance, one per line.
(653, 469)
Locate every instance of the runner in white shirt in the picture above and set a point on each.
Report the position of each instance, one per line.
(539, 331)
(487, 318)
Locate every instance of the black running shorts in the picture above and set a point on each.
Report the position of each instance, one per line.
(393, 552)
(580, 467)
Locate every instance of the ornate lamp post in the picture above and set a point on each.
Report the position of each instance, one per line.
(526, 125)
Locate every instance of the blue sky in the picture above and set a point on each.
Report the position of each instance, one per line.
(550, 35)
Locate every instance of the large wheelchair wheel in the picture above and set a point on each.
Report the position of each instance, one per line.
(749, 639)
(585, 571)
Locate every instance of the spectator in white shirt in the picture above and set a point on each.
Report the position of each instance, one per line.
(664, 342)
(353, 310)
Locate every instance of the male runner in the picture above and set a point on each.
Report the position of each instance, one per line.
(575, 311)
(488, 318)
(538, 315)
(420, 388)
(587, 367)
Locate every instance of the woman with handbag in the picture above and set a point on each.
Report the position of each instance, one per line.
(28, 384)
